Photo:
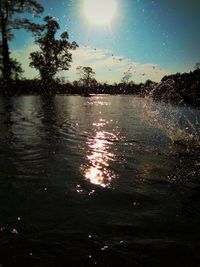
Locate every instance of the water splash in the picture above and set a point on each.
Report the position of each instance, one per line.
(165, 91)
(180, 123)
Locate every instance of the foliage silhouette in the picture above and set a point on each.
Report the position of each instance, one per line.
(171, 89)
(87, 79)
(54, 55)
(11, 18)
(197, 66)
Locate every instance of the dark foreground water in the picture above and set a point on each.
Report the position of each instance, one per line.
(98, 181)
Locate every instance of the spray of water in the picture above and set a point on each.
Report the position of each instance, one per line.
(179, 122)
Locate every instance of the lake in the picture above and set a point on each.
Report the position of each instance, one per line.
(98, 181)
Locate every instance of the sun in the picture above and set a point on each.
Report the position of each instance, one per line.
(100, 12)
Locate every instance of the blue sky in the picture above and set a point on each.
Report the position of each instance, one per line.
(154, 37)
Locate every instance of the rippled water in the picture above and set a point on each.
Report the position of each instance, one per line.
(92, 181)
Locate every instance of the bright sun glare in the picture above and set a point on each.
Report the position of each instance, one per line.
(100, 11)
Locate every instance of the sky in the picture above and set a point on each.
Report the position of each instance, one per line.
(147, 38)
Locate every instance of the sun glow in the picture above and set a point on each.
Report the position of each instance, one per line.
(100, 12)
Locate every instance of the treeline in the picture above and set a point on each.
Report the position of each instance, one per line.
(178, 88)
(35, 86)
(186, 85)
(55, 54)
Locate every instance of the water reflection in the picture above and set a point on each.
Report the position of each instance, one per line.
(99, 156)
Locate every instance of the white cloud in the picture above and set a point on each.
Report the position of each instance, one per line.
(108, 67)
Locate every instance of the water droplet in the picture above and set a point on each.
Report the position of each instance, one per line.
(104, 248)
(92, 192)
(14, 231)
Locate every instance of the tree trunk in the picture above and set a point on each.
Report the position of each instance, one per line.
(6, 71)
(45, 77)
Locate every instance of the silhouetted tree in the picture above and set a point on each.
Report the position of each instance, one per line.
(54, 55)
(197, 66)
(11, 18)
(126, 77)
(87, 76)
(16, 69)
(185, 85)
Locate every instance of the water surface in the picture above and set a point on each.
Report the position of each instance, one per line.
(98, 181)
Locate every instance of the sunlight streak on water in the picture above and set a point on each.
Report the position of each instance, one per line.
(99, 157)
